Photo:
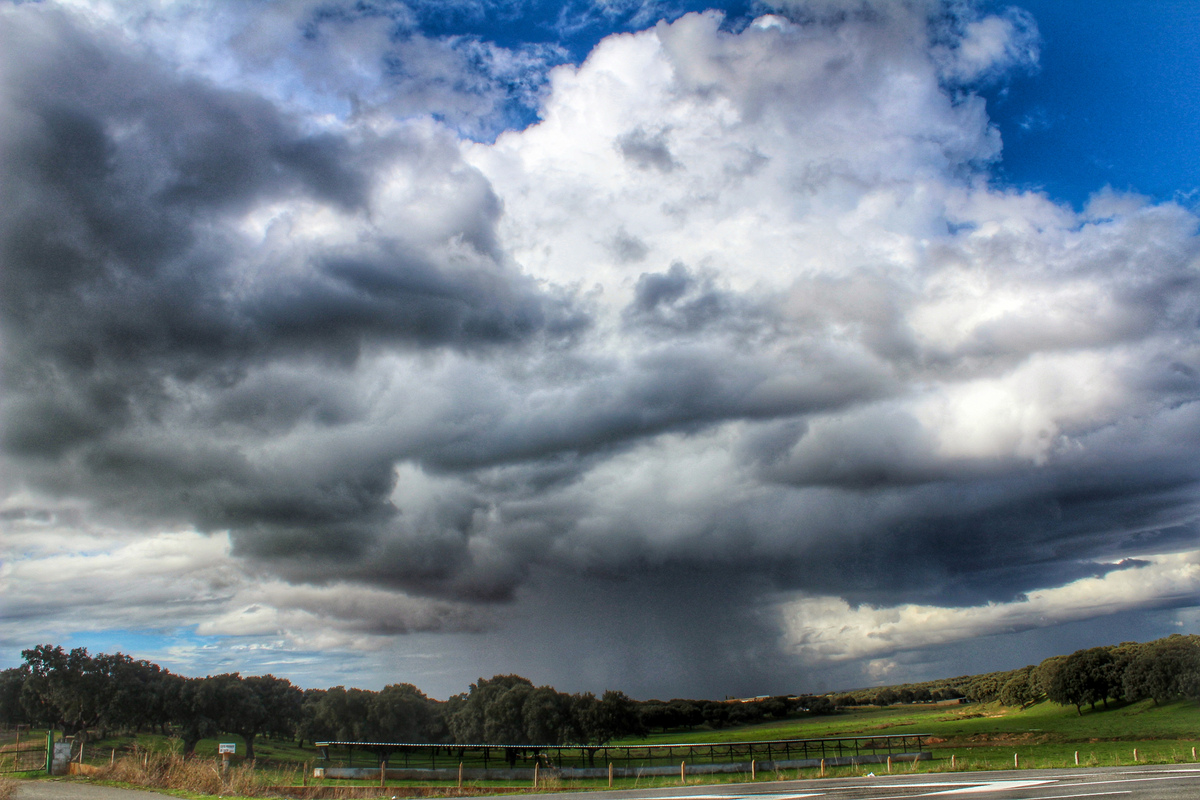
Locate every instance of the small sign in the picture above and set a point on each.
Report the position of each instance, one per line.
(227, 747)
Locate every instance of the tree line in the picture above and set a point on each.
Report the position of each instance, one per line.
(78, 693)
(1162, 670)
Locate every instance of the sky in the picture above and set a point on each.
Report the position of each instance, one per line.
(686, 349)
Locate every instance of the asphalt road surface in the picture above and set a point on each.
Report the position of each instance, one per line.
(1119, 783)
(79, 790)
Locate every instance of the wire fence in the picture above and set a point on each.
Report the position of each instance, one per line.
(403, 755)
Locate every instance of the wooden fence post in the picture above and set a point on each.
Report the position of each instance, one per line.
(822, 768)
(889, 765)
(1016, 761)
(535, 774)
(753, 769)
(610, 774)
(1077, 758)
(683, 772)
(460, 768)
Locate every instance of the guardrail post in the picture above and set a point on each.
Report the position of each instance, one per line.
(1077, 758)
(683, 772)
(753, 769)
(889, 765)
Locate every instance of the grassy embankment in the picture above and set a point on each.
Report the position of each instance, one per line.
(977, 736)
(987, 736)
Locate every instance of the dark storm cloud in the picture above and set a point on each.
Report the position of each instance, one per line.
(139, 326)
(121, 268)
(376, 355)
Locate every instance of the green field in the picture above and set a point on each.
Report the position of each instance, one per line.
(988, 735)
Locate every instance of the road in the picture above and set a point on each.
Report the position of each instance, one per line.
(1180, 782)
(79, 790)
(1120, 783)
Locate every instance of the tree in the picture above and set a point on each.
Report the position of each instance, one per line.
(819, 705)
(136, 693)
(1045, 673)
(616, 716)
(12, 682)
(310, 728)
(716, 714)
(1020, 689)
(985, 688)
(402, 713)
(687, 713)
(245, 706)
(1165, 670)
(547, 718)
(657, 714)
(191, 710)
(69, 689)
(491, 711)
(282, 704)
(342, 714)
(1085, 676)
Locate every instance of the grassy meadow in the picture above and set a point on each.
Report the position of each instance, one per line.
(986, 736)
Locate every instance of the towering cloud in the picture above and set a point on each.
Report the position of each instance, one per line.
(736, 341)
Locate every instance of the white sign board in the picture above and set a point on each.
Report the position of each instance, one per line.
(227, 747)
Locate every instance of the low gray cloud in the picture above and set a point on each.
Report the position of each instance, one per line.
(646, 151)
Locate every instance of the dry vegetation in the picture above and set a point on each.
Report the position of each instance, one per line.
(158, 770)
(7, 787)
(170, 770)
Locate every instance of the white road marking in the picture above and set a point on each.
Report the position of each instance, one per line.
(1143, 780)
(992, 786)
(784, 796)
(1086, 794)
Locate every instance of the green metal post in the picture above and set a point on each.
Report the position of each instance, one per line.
(49, 752)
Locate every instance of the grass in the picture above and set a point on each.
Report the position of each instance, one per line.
(975, 724)
(987, 736)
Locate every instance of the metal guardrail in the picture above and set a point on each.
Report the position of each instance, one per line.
(408, 755)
